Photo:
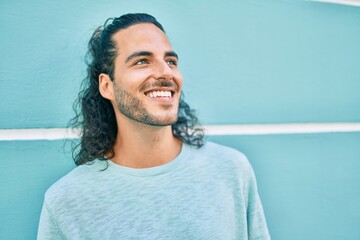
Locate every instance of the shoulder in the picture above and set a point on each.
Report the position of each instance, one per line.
(227, 165)
(74, 181)
(214, 149)
(223, 157)
(228, 154)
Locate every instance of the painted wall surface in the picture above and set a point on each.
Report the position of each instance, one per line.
(309, 184)
(245, 61)
(248, 61)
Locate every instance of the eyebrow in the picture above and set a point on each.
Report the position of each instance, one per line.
(149, 54)
(171, 54)
(138, 54)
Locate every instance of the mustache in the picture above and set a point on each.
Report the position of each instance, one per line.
(159, 84)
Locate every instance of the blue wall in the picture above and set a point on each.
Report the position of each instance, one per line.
(249, 61)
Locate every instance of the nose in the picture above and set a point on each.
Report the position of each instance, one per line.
(162, 70)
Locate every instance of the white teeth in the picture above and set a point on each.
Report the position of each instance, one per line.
(163, 94)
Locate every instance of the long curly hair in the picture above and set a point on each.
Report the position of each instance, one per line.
(95, 115)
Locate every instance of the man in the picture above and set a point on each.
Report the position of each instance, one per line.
(144, 170)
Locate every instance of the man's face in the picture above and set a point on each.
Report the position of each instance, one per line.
(147, 81)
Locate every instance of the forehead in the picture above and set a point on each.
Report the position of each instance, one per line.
(141, 37)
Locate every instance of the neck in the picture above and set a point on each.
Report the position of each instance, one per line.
(142, 146)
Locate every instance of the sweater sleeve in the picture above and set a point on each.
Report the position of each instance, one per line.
(48, 229)
(257, 227)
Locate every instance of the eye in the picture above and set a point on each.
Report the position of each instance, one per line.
(141, 62)
(172, 62)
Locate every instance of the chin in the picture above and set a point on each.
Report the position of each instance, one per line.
(164, 121)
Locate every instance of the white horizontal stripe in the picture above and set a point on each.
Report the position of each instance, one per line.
(253, 129)
(345, 2)
(291, 128)
(37, 134)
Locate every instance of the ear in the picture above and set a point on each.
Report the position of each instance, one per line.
(106, 86)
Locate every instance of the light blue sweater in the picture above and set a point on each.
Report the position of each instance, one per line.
(207, 193)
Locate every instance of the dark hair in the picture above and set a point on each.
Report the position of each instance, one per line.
(95, 115)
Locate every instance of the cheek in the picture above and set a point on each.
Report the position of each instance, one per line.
(178, 78)
(131, 81)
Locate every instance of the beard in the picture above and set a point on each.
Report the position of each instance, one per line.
(132, 107)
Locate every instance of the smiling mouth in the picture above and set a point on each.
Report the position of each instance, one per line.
(160, 94)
